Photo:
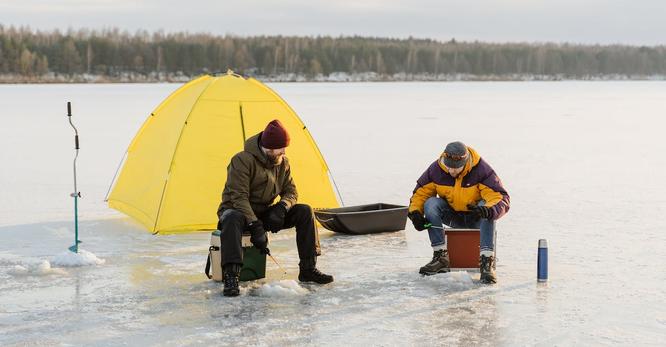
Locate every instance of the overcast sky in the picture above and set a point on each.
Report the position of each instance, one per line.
(638, 22)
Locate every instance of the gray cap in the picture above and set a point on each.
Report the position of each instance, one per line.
(455, 155)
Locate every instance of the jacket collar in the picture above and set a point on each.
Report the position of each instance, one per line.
(252, 146)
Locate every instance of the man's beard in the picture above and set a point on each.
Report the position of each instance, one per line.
(275, 160)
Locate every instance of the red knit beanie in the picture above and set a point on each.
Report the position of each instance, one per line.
(274, 136)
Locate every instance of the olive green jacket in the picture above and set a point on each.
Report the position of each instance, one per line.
(253, 183)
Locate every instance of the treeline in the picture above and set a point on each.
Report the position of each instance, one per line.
(26, 52)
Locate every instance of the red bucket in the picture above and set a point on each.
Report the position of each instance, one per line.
(463, 245)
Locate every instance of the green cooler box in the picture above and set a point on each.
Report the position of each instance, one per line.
(254, 263)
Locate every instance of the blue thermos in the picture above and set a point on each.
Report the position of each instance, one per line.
(542, 261)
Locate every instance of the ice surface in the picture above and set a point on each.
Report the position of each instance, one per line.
(280, 288)
(35, 269)
(583, 162)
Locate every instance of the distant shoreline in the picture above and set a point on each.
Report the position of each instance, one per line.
(53, 78)
(115, 56)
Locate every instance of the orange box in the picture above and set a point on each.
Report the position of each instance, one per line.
(463, 245)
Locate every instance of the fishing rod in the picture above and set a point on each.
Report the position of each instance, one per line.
(76, 195)
(278, 264)
(433, 226)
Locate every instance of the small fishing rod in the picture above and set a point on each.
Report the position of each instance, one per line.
(428, 226)
(276, 262)
(76, 195)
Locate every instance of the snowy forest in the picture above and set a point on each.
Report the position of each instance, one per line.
(112, 55)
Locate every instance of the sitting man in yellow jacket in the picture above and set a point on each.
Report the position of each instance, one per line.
(461, 190)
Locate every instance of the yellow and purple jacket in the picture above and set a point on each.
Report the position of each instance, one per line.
(476, 182)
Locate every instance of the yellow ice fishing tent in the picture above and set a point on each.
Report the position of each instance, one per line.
(176, 166)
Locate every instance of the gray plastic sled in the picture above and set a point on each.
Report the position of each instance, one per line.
(363, 219)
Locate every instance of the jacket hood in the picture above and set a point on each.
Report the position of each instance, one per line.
(252, 146)
(472, 162)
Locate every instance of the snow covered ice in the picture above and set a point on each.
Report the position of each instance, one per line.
(583, 162)
(80, 258)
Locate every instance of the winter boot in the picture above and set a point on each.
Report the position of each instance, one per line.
(231, 275)
(309, 273)
(438, 264)
(487, 269)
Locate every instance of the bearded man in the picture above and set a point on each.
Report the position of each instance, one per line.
(255, 178)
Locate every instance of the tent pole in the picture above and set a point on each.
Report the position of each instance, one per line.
(240, 105)
(336, 188)
(106, 197)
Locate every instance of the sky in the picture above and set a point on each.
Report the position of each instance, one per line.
(635, 22)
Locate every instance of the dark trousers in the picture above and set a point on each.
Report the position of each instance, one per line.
(233, 224)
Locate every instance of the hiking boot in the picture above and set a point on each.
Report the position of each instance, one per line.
(438, 264)
(487, 269)
(309, 273)
(231, 277)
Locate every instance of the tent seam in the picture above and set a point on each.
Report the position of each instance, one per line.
(180, 136)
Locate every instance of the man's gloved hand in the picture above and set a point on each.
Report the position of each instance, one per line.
(481, 211)
(418, 220)
(275, 217)
(258, 236)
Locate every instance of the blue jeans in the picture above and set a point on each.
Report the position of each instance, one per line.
(438, 212)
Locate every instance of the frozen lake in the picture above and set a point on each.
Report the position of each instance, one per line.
(583, 162)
